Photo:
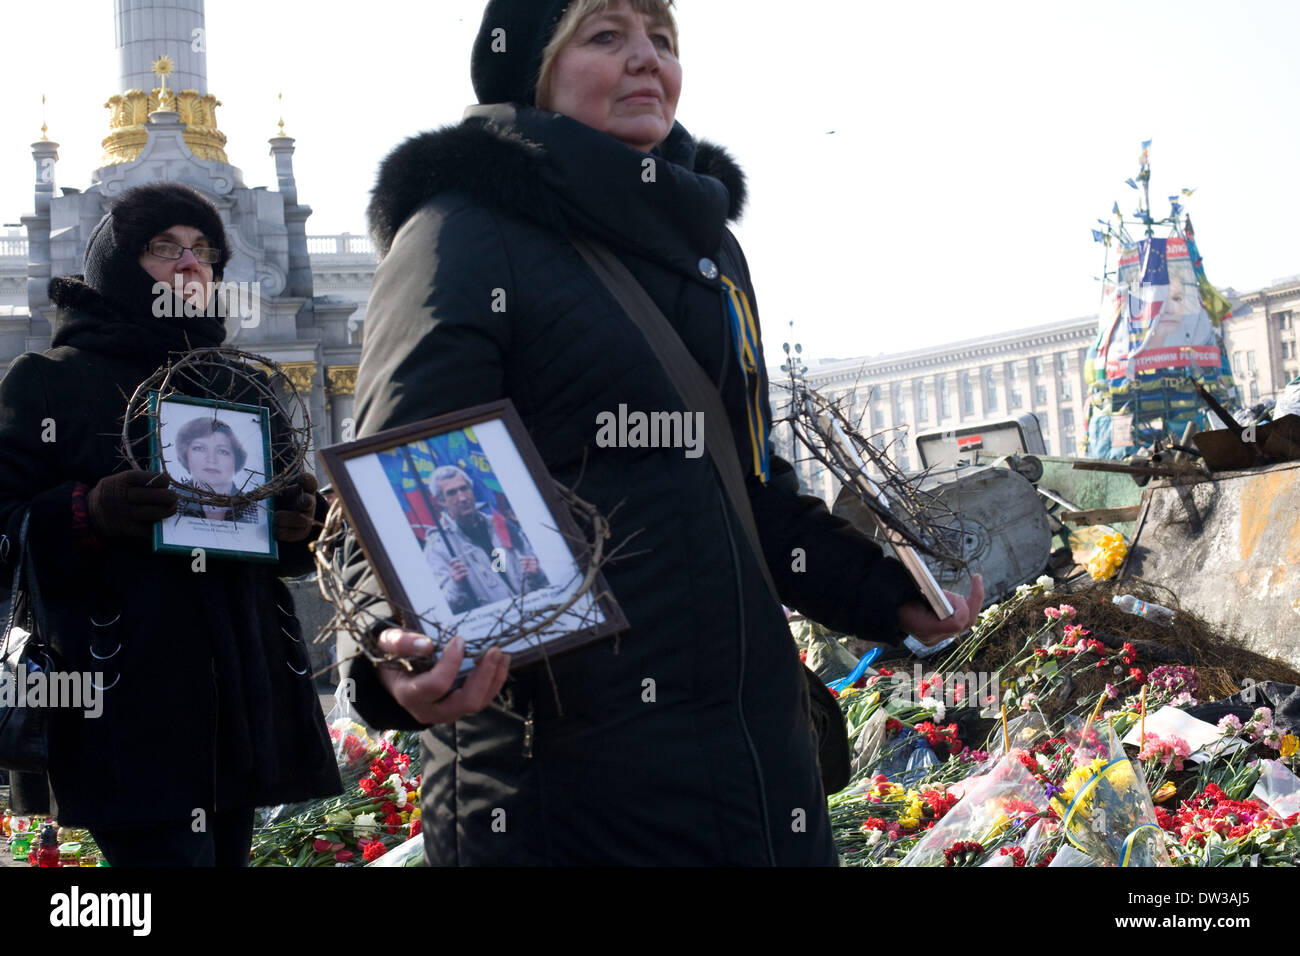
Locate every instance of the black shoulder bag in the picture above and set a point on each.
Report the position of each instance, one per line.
(23, 728)
(700, 394)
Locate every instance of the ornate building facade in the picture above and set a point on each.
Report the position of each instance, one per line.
(310, 291)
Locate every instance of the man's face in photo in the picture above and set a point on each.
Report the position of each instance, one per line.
(457, 496)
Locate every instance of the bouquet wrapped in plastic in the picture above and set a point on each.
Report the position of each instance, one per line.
(997, 811)
(1105, 808)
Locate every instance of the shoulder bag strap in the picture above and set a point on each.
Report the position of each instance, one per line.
(692, 383)
(20, 561)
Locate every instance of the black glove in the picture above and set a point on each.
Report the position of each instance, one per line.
(129, 503)
(295, 510)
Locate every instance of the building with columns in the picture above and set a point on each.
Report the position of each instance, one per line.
(162, 125)
(1037, 370)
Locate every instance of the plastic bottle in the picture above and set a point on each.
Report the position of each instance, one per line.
(1152, 612)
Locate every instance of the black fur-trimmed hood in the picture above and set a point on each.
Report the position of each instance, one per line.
(566, 176)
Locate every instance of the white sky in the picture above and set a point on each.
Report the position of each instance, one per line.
(975, 144)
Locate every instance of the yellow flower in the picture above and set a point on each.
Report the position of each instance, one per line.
(1001, 823)
(1110, 554)
(1167, 790)
(1077, 779)
(910, 818)
(1290, 744)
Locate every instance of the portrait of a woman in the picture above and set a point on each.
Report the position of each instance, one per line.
(209, 450)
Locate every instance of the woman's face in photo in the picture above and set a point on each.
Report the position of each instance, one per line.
(620, 74)
(212, 461)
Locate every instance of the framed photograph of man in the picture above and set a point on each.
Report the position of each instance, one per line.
(221, 450)
(466, 533)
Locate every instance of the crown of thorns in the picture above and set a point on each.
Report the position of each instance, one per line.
(515, 622)
(223, 375)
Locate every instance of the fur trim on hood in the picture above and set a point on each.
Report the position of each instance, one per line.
(501, 168)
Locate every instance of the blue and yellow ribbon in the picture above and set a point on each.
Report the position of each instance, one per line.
(1127, 850)
(744, 329)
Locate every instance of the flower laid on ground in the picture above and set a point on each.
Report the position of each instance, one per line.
(923, 805)
(1174, 750)
(1211, 812)
(943, 740)
(378, 810)
(1016, 853)
(962, 853)
(1110, 554)
(1175, 685)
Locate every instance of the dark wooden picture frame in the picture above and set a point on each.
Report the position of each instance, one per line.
(337, 458)
(267, 507)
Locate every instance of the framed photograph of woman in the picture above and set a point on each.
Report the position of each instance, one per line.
(217, 454)
(466, 533)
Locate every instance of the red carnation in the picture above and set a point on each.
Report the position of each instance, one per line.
(962, 852)
(1136, 674)
(1016, 853)
(415, 829)
(373, 851)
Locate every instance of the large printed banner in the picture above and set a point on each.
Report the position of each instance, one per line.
(1158, 331)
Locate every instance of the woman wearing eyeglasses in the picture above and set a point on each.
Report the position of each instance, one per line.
(192, 725)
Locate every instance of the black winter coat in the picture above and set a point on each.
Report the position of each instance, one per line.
(721, 767)
(209, 701)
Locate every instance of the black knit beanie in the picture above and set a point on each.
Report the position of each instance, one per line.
(507, 55)
(112, 263)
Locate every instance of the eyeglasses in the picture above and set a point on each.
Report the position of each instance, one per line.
(165, 249)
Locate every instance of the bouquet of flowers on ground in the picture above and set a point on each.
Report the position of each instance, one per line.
(1105, 808)
(996, 812)
(379, 808)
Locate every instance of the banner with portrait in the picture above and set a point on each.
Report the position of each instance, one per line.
(1159, 331)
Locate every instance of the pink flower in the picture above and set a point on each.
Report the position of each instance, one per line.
(1229, 724)
(1068, 611)
(1053, 613)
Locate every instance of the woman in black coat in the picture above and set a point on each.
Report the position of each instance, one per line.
(207, 709)
(688, 740)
